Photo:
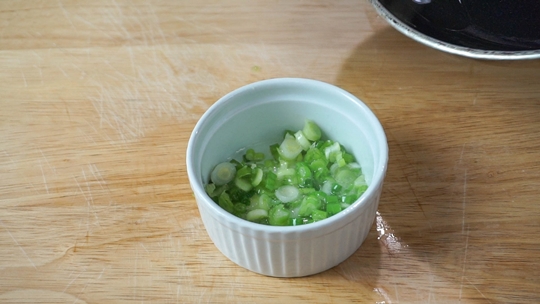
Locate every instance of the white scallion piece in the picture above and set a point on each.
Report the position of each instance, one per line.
(283, 170)
(334, 148)
(256, 214)
(354, 165)
(257, 177)
(360, 181)
(333, 168)
(311, 130)
(302, 140)
(327, 187)
(223, 173)
(287, 193)
(290, 148)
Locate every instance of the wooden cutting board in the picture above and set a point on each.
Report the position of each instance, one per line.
(98, 100)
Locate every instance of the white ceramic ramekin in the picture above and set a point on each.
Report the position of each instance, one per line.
(256, 116)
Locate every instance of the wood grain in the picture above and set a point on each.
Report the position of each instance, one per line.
(98, 102)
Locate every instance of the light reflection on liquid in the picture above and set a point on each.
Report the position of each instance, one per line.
(387, 237)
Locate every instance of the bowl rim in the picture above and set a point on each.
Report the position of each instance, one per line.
(336, 221)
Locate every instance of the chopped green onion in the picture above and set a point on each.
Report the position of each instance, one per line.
(333, 208)
(274, 150)
(318, 165)
(340, 161)
(348, 199)
(239, 210)
(287, 194)
(257, 177)
(225, 202)
(257, 214)
(331, 199)
(271, 181)
(210, 188)
(327, 187)
(360, 181)
(312, 130)
(318, 215)
(344, 205)
(309, 204)
(302, 140)
(242, 184)
(331, 152)
(279, 215)
(290, 148)
(349, 158)
(284, 170)
(243, 172)
(336, 188)
(258, 156)
(304, 175)
(345, 177)
(250, 154)
(307, 179)
(239, 195)
(260, 202)
(223, 173)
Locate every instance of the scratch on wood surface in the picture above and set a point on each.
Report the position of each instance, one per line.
(66, 14)
(461, 154)
(130, 53)
(40, 72)
(9, 157)
(157, 22)
(96, 131)
(206, 27)
(24, 78)
(464, 201)
(89, 199)
(44, 179)
(116, 19)
(80, 292)
(77, 298)
(136, 272)
(144, 247)
(36, 54)
(93, 169)
(418, 201)
(18, 245)
(93, 26)
(88, 138)
(71, 282)
(101, 274)
(202, 295)
(464, 263)
(47, 161)
(430, 274)
(470, 283)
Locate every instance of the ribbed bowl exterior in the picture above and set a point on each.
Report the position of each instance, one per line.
(292, 254)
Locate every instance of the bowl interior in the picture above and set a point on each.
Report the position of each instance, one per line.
(256, 116)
